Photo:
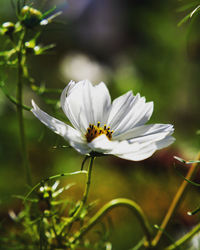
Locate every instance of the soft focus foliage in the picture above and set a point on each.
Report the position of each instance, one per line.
(133, 45)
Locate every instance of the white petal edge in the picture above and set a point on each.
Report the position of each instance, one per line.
(70, 134)
(142, 154)
(148, 150)
(66, 106)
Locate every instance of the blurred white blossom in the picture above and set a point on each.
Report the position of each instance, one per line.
(79, 66)
(195, 242)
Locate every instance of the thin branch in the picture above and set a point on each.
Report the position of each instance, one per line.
(184, 239)
(13, 100)
(176, 201)
(85, 195)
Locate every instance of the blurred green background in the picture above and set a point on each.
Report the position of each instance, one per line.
(129, 45)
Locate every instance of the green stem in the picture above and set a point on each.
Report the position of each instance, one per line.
(84, 199)
(13, 100)
(43, 90)
(85, 195)
(20, 109)
(116, 203)
(176, 201)
(184, 239)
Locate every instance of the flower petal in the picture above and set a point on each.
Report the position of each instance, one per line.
(141, 142)
(146, 133)
(73, 136)
(139, 155)
(147, 150)
(102, 144)
(101, 102)
(119, 109)
(129, 111)
(165, 142)
(97, 102)
(72, 109)
(86, 103)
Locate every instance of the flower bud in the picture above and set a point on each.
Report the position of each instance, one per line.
(7, 28)
(30, 17)
(30, 45)
(47, 213)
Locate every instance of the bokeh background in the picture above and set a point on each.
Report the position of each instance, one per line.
(130, 45)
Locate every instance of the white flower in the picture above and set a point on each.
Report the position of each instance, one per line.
(109, 128)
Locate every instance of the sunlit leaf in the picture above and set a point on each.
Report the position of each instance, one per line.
(184, 161)
(22, 198)
(8, 53)
(195, 11)
(190, 15)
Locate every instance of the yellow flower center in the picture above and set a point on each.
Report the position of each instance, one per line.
(94, 131)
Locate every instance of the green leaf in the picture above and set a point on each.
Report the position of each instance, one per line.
(48, 12)
(190, 15)
(55, 203)
(184, 161)
(22, 198)
(8, 53)
(184, 20)
(51, 178)
(194, 211)
(11, 98)
(42, 50)
(195, 11)
(166, 234)
(191, 182)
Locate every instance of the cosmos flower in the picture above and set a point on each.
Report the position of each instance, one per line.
(105, 127)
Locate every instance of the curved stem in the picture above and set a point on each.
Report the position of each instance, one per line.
(20, 109)
(116, 203)
(184, 239)
(84, 161)
(176, 201)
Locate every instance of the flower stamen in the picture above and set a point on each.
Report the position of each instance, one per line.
(94, 131)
